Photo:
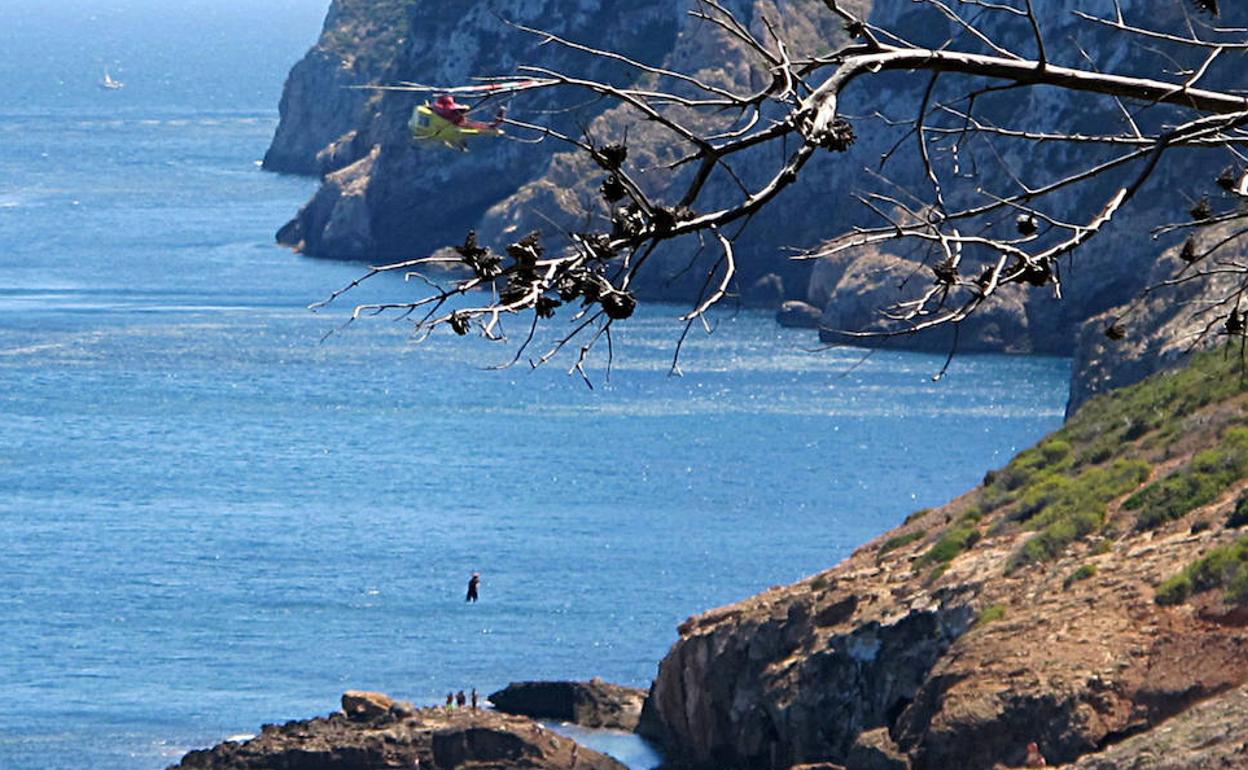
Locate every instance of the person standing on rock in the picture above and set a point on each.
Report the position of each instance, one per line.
(474, 699)
(460, 699)
(473, 582)
(450, 700)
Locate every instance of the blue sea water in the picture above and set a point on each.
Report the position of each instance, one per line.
(210, 518)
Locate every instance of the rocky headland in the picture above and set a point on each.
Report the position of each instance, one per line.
(1088, 597)
(374, 731)
(380, 193)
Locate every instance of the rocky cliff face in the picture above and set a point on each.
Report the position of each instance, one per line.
(1110, 271)
(1209, 736)
(1027, 610)
(384, 198)
(387, 198)
(322, 114)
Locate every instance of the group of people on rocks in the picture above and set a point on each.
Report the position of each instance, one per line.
(454, 699)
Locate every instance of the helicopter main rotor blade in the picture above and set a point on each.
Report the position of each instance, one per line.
(499, 86)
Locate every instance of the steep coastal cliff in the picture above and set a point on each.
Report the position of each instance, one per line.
(387, 198)
(1076, 599)
(383, 198)
(322, 112)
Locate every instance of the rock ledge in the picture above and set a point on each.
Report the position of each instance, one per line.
(590, 704)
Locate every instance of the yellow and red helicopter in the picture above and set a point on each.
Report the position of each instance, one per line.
(446, 122)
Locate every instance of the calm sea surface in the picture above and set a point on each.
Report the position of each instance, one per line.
(211, 519)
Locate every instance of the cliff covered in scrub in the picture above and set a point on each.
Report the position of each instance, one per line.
(1091, 597)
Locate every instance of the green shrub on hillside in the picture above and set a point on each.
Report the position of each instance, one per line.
(1045, 460)
(1064, 510)
(1175, 590)
(1225, 566)
(1083, 573)
(990, 614)
(1100, 428)
(1198, 483)
(897, 541)
(1062, 488)
(917, 515)
(950, 544)
(1237, 588)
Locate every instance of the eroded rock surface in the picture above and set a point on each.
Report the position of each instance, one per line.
(321, 109)
(1210, 736)
(1161, 330)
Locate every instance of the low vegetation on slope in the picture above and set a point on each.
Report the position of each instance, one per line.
(1225, 566)
(1198, 483)
(1134, 453)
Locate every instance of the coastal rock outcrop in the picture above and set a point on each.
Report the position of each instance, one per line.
(415, 199)
(401, 736)
(363, 706)
(1209, 736)
(1033, 609)
(876, 281)
(590, 704)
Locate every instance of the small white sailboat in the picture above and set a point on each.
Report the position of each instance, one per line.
(109, 83)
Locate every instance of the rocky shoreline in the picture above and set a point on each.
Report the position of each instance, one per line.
(1032, 609)
(374, 731)
(1091, 597)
